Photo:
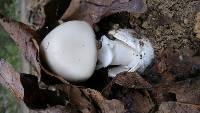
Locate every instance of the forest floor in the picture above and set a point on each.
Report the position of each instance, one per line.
(169, 24)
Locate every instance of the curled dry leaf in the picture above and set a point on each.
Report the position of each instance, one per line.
(176, 107)
(106, 106)
(77, 98)
(25, 37)
(93, 11)
(11, 79)
(131, 80)
(84, 100)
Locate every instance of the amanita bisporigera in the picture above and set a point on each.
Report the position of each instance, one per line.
(70, 51)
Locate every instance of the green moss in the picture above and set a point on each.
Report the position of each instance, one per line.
(8, 51)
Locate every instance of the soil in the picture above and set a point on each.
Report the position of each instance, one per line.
(167, 23)
(170, 23)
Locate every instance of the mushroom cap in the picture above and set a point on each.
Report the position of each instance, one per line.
(70, 50)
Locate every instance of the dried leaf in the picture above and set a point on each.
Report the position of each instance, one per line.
(11, 79)
(26, 88)
(87, 100)
(174, 65)
(176, 107)
(106, 106)
(135, 101)
(93, 11)
(77, 98)
(131, 80)
(25, 38)
(37, 98)
(186, 91)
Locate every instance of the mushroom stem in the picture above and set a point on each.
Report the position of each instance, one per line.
(126, 51)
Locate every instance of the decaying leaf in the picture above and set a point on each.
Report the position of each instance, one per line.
(174, 65)
(11, 79)
(137, 102)
(134, 100)
(176, 107)
(39, 98)
(28, 41)
(106, 106)
(93, 11)
(131, 80)
(77, 98)
(25, 37)
(186, 91)
(89, 100)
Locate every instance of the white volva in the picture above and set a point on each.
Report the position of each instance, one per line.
(70, 50)
(126, 51)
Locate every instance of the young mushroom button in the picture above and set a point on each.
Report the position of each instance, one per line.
(70, 50)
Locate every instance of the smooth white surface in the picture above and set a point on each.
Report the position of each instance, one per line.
(105, 54)
(116, 70)
(70, 50)
(128, 52)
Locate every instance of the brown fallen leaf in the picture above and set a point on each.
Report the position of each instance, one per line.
(93, 11)
(26, 38)
(89, 100)
(174, 65)
(106, 106)
(176, 107)
(76, 98)
(39, 98)
(131, 80)
(136, 102)
(186, 91)
(11, 79)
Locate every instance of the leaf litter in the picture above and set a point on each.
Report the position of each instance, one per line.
(170, 84)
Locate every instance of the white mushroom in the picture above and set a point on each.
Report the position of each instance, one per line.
(70, 50)
(126, 51)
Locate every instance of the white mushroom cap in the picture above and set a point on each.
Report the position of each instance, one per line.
(70, 50)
